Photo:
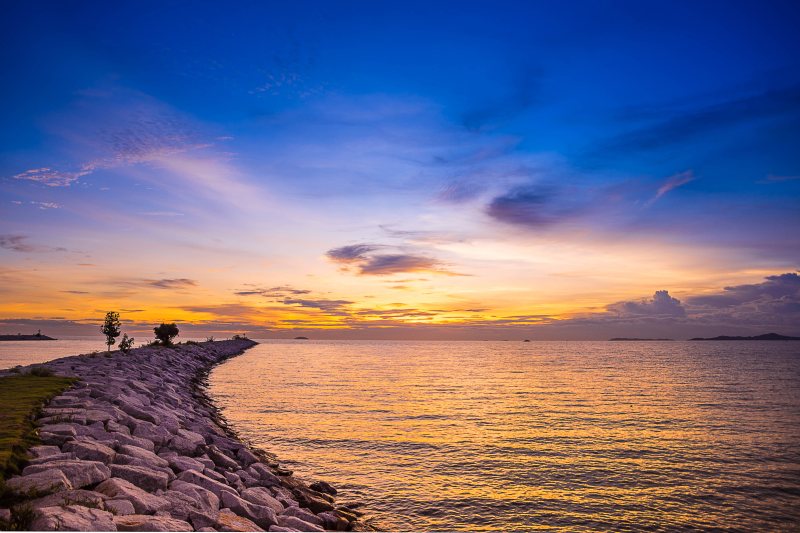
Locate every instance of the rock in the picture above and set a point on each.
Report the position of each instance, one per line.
(230, 521)
(91, 451)
(262, 496)
(196, 478)
(123, 439)
(72, 518)
(179, 463)
(322, 486)
(246, 457)
(264, 474)
(333, 522)
(120, 507)
(220, 459)
(97, 415)
(86, 498)
(303, 515)
(139, 522)
(186, 442)
(204, 498)
(44, 451)
(143, 502)
(68, 430)
(297, 524)
(49, 458)
(260, 514)
(144, 478)
(146, 455)
(280, 528)
(317, 505)
(79, 473)
(205, 529)
(42, 482)
(149, 431)
(138, 413)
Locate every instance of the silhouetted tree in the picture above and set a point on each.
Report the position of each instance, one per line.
(165, 333)
(111, 328)
(126, 343)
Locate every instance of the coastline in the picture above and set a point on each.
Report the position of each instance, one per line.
(138, 444)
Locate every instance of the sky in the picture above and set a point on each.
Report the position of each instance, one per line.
(403, 170)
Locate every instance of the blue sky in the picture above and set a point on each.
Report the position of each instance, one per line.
(523, 158)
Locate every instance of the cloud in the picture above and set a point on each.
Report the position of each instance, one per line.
(173, 283)
(277, 293)
(660, 305)
(351, 253)
(335, 307)
(776, 293)
(673, 182)
(368, 264)
(50, 177)
(778, 179)
(18, 243)
(530, 206)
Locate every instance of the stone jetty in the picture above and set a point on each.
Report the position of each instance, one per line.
(137, 445)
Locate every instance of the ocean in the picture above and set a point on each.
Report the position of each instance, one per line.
(559, 436)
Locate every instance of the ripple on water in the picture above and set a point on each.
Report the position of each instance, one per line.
(572, 436)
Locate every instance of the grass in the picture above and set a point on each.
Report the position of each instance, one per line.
(21, 396)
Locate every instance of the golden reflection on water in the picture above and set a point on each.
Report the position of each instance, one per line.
(543, 435)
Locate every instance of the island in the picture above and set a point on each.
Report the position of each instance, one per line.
(765, 337)
(637, 339)
(301, 338)
(20, 337)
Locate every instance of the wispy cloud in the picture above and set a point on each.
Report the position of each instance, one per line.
(360, 257)
(672, 183)
(19, 243)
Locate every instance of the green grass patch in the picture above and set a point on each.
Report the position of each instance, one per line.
(21, 396)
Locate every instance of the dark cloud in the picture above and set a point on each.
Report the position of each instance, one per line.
(351, 253)
(19, 243)
(336, 307)
(277, 293)
(525, 206)
(782, 291)
(172, 283)
(660, 305)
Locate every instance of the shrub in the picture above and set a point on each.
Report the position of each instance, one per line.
(166, 333)
(126, 344)
(209, 339)
(41, 372)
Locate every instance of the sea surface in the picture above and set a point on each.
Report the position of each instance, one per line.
(558, 436)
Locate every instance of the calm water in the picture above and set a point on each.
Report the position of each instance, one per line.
(571, 436)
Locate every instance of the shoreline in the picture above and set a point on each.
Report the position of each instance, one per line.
(138, 444)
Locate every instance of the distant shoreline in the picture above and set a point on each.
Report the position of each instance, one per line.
(635, 339)
(19, 337)
(765, 337)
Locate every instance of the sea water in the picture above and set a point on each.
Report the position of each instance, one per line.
(572, 436)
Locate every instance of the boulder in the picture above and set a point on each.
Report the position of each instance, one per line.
(151, 432)
(124, 439)
(42, 482)
(44, 451)
(143, 477)
(324, 487)
(220, 459)
(143, 502)
(230, 521)
(146, 455)
(47, 459)
(196, 478)
(79, 473)
(334, 522)
(140, 522)
(138, 412)
(246, 456)
(262, 496)
(179, 463)
(263, 474)
(297, 524)
(120, 507)
(260, 514)
(203, 498)
(72, 518)
(303, 514)
(91, 451)
(86, 498)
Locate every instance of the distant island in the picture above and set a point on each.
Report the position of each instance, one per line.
(301, 338)
(765, 337)
(20, 337)
(636, 339)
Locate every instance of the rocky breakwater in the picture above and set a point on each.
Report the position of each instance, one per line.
(136, 445)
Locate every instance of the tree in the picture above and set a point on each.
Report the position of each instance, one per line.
(111, 328)
(165, 333)
(126, 343)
